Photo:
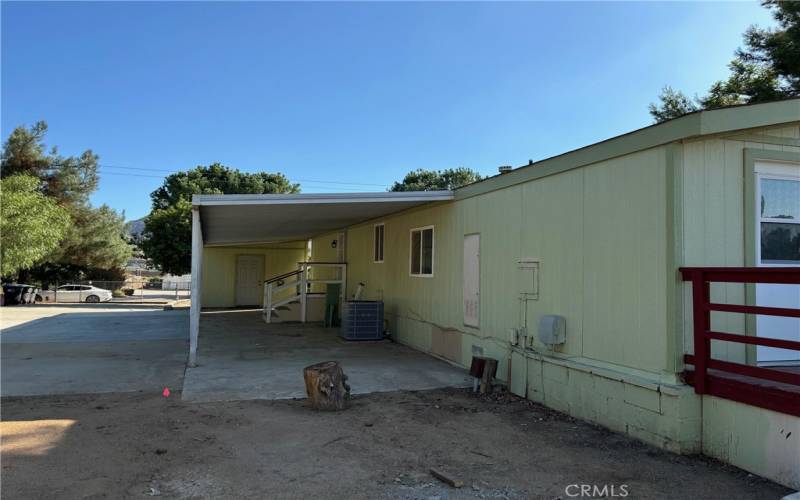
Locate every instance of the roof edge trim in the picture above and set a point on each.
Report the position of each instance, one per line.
(700, 123)
(319, 198)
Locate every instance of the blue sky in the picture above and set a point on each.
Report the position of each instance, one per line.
(347, 92)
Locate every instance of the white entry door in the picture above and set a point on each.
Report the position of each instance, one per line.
(777, 244)
(249, 278)
(472, 279)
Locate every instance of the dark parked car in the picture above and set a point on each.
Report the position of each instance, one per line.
(16, 293)
(153, 285)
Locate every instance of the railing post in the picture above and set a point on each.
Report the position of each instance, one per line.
(343, 277)
(268, 301)
(701, 297)
(303, 290)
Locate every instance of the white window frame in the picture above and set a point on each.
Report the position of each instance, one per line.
(411, 249)
(777, 172)
(375, 244)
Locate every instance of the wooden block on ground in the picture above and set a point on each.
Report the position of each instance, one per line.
(447, 478)
(489, 372)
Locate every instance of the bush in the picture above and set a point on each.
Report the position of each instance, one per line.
(128, 291)
(97, 274)
(117, 293)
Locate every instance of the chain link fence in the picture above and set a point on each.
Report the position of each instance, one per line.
(136, 291)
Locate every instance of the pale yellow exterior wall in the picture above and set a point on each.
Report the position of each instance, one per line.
(599, 232)
(219, 269)
(760, 441)
(711, 174)
(610, 237)
(322, 250)
(601, 235)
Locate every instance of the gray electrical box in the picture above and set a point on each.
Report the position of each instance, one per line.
(553, 329)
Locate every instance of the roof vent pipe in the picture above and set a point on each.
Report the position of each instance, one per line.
(504, 169)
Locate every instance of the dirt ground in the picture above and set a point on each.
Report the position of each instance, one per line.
(136, 445)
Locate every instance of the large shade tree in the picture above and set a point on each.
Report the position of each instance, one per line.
(31, 224)
(218, 179)
(69, 179)
(166, 238)
(767, 68)
(95, 238)
(436, 180)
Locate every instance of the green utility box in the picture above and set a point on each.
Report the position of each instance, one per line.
(332, 304)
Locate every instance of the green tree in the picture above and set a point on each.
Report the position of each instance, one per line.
(31, 224)
(673, 103)
(68, 179)
(95, 238)
(777, 50)
(218, 179)
(167, 238)
(436, 180)
(167, 235)
(766, 69)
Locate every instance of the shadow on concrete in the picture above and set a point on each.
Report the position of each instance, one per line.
(85, 305)
(241, 357)
(96, 351)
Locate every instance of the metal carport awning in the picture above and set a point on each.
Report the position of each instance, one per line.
(242, 219)
(275, 218)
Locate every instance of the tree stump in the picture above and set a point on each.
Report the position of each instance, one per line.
(326, 386)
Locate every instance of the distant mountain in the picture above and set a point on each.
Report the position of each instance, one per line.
(135, 227)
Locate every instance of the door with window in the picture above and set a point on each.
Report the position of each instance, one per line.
(777, 245)
(249, 278)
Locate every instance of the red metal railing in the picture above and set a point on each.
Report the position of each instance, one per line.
(775, 388)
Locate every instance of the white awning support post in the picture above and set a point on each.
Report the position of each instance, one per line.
(197, 264)
(267, 302)
(303, 291)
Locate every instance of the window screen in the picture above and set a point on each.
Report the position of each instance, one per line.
(780, 221)
(422, 252)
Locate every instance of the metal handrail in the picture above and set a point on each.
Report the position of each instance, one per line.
(312, 263)
(286, 286)
(301, 283)
(282, 276)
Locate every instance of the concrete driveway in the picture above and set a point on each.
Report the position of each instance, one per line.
(240, 357)
(91, 348)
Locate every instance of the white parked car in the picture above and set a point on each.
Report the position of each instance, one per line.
(75, 293)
